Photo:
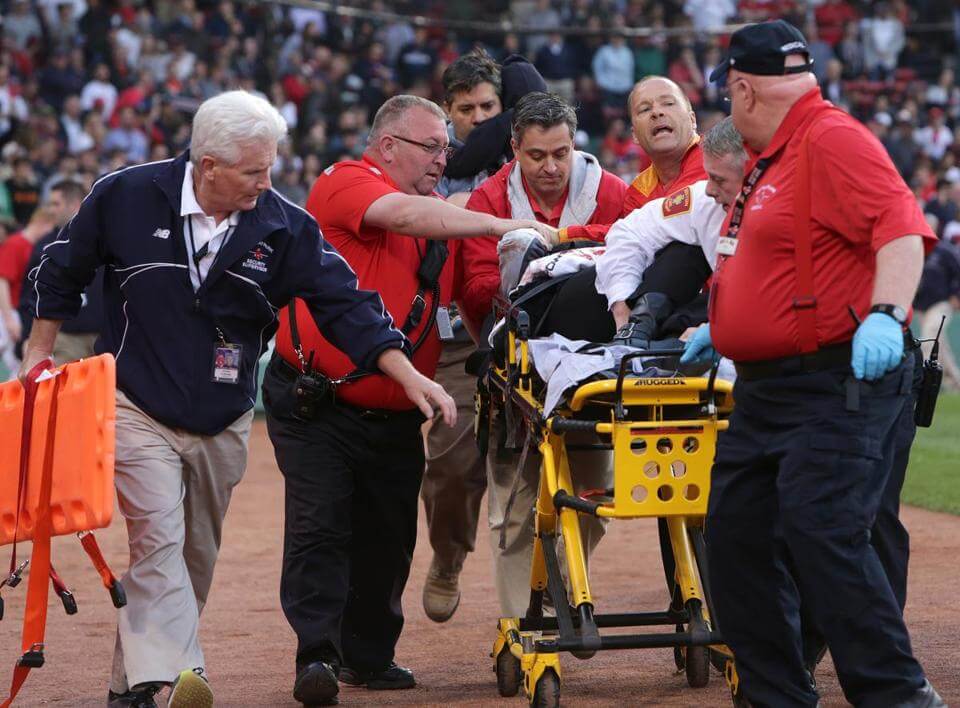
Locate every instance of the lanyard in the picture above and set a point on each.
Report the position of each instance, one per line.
(736, 215)
(198, 255)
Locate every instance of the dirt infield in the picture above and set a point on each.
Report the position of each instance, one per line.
(249, 647)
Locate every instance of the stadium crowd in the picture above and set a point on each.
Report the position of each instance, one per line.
(89, 86)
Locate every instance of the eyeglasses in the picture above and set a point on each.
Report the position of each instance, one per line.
(725, 91)
(432, 150)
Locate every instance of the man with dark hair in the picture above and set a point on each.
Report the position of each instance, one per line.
(482, 138)
(454, 480)
(552, 182)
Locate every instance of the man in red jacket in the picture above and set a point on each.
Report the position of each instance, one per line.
(550, 181)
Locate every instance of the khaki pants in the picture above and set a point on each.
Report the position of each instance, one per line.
(71, 347)
(454, 479)
(589, 470)
(173, 488)
(929, 324)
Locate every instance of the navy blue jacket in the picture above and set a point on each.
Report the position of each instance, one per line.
(163, 334)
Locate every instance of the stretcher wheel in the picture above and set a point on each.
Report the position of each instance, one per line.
(509, 673)
(697, 666)
(547, 692)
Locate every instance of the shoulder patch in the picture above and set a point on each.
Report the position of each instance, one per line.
(677, 203)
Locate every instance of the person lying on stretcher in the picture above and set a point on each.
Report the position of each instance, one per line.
(648, 279)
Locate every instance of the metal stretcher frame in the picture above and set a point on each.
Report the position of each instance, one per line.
(662, 432)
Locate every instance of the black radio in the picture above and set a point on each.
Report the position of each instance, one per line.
(930, 385)
(312, 390)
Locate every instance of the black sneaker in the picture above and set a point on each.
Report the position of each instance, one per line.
(140, 696)
(392, 678)
(316, 684)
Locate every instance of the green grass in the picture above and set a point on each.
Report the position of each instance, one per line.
(933, 478)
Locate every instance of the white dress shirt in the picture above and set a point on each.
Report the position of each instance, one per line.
(200, 230)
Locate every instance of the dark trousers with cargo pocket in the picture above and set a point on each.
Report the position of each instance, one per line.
(800, 475)
(351, 483)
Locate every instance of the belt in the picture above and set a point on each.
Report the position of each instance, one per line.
(829, 357)
(289, 373)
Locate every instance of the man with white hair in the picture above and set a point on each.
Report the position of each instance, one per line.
(201, 254)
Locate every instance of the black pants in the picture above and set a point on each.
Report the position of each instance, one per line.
(578, 311)
(801, 473)
(888, 536)
(351, 483)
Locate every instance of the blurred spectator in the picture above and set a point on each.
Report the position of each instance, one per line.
(942, 206)
(831, 85)
(935, 138)
(99, 93)
(21, 26)
(938, 297)
(832, 18)
(903, 150)
(851, 52)
(884, 39)
(128, 137)
(15, 254)
(24, 190)
(708, 15)
(557, 63)
(543, 16)
(820, 51)
(13, 109)
(58, 80)
(613, 70)
(416, 60)
(650, 57)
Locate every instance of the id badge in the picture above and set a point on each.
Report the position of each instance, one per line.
(444, 327)
(226, 363)
(727, 246)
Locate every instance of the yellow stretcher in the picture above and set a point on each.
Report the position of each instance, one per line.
(663, 433)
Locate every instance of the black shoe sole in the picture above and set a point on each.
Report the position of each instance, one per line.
(317, 687)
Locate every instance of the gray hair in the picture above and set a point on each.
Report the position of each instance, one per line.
(543, 109)
(723, 139)
(229, 122)
(395, 109)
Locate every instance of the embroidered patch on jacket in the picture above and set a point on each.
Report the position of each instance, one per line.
(677, 203)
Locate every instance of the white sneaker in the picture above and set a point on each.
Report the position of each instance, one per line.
(190, 690)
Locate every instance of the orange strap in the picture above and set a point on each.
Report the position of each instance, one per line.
(89, 544)
(35, 612)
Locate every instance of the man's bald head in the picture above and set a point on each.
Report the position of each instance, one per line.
(663, 120)
(760, 103)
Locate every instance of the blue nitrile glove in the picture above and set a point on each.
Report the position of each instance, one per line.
(877, 346)
(699, 348)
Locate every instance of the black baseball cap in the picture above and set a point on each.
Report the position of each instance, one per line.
(762, 49)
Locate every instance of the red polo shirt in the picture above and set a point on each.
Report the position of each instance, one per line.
(15, 254)
(858, 204)
(383, 261)
(481, 266)
(647, 185)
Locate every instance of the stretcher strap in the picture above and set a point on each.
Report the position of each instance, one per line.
(805, 302)
(89, 544)
(514, 489)
(35, 612)
(29, 396)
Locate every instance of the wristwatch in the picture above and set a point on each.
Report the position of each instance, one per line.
(895, 311)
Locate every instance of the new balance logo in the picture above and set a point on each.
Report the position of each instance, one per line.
(162, 233)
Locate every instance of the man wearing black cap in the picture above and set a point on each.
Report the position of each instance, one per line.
(828, 233)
